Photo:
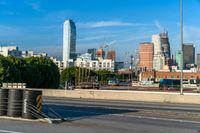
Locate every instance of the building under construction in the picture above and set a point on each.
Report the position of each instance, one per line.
(100, 54)
(166, 47)
(111, 55)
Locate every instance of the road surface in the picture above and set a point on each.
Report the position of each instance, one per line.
(100, 116)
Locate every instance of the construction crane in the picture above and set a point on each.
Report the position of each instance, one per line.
(107, 45)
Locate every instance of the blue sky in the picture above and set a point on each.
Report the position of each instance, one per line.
(37, 24)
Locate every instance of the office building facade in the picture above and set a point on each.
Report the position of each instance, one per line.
(198, 61)
(69, 40)
(178, 60)
(158, 57)
(92, 51)
(188, 55)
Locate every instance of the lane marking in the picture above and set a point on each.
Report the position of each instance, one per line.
(6, 131)
(155, 118)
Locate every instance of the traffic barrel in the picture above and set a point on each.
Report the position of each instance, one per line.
(32, 104)
(3, 101)
(14, 102)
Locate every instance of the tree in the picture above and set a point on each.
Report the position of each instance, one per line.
(68, 74)
(35, 72)
(104, 75)
(41, 73)
(9, 72)
(32, 76)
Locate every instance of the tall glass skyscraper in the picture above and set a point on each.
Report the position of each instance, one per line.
(69, 40)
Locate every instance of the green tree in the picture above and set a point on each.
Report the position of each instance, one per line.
(32, 76)
(41, 73)
(104, 75)
(68, 74)
(9, 72)
(36, 72)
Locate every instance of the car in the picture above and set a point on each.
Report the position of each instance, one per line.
(113, 82)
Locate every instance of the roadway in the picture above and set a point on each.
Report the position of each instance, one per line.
(100, 116)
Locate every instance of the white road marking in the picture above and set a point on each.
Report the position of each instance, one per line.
(6, 131)
(155, 118)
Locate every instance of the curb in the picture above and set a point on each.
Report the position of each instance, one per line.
(44, 120)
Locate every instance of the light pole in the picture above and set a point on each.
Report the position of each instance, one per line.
(181, 40)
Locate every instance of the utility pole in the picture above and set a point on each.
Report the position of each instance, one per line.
(85, 75)
(82, 74)
(76, 77)
(181, 40)
(79, 75)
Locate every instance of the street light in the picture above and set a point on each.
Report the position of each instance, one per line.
(181, 41)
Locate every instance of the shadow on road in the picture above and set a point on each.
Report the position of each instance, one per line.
(72, 113)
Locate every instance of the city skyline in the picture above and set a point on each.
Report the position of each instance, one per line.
(126, 22)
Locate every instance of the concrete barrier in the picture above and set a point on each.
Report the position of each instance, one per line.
(188, 98)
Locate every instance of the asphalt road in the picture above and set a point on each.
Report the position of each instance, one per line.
(125, 105)
(89, 116)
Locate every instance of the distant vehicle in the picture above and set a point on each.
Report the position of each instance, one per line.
(89, 85)
(123, 83)
(113, 82)
(146, 82)
(169, 84)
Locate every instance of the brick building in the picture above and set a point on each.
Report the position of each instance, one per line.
(156, 75)
(146, 56)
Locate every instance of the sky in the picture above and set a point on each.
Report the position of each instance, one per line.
(37, 24)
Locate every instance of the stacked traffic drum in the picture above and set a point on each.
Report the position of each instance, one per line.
(15, 103)
(32, 104)
(25, 103)
(3, 102)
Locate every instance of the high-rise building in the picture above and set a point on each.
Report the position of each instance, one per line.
(92, 51)
(100, 53)
(198, 61)
(165, 47)
(146, 56)
(111, 54)
(158, 57)
(69, 40)
(156, 40)
(188, 54)
(178, 59)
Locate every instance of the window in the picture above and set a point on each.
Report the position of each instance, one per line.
(104, 64)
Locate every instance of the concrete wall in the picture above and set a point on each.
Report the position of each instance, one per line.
(126, 95)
